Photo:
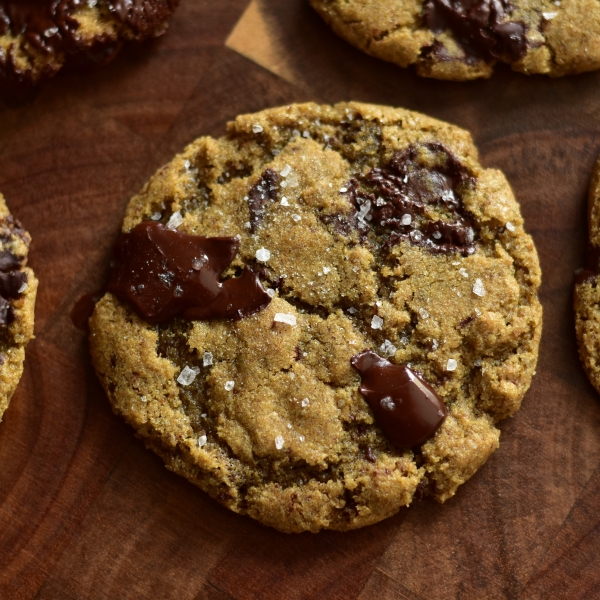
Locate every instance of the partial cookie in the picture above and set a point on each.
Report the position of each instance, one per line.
(587, 292)
(18, 288)
(461, 40)
(377, 314)
(38, 37)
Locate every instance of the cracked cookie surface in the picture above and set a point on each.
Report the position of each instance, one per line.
(18, 288)
(371, 227)
(39, 37)
(462, 39)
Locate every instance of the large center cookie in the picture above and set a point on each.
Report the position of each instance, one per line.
(376, 317)
(464, 39)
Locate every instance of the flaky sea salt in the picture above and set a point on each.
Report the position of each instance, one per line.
(23, 288)
(343, 190)
(187, 375)
(424, 314)
(286, 171)
(305, 402)
(326, 270)
(296, 218)
(271, 293)
(301, 438)
(406, 219)
(387, 403)
(352, 310)
(284, 201)
(199, 262)
(263, 255)
(156, 216)
(286, 318)
(510, 226)
(434, 344)
(201, 441)
(207, 359)
(477, 362)
(256, 128)
(388, 348)
(451, 365)
(279, 442)
(229, 385)
(478, 288)
(376, 322)
(477, 312)
(463, 272)
(175, 221)
(549, 15)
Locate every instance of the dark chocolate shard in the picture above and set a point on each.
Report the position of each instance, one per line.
(8, 261)
(265, 190)
(481, 27)
(164, 273)
(406, 407)
(12, 283)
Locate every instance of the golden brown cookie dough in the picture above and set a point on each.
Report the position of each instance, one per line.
(264, 413)
(39, 37)
(444, 40)
(587, 293)
(18, 288)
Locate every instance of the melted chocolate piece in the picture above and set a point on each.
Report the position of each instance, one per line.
(265, 190)
(83, 309)
(407, 408)
(49, 26)
(479, 26)
(165, 273)
(406, 187)
(11, 281)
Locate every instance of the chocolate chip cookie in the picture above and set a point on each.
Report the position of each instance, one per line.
(18, 288)
(464, 39)
(321, 316)
(587, 293)
(38, 37)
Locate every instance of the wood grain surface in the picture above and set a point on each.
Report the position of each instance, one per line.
(87, 512)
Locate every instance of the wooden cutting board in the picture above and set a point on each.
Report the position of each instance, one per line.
(87, 512)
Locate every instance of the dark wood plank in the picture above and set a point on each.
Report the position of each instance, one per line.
(87, 512)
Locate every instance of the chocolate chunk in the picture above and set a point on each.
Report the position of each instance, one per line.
(83, 309)
(406, 188)
(8, 261)
(11, 283)
(165, 273)
(406, 407)
(479, 26)
(265, 190)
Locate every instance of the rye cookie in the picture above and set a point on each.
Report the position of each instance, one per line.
(323, 315)
(465, 39)
(39, 37)
(587, 292)
(18, 288)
